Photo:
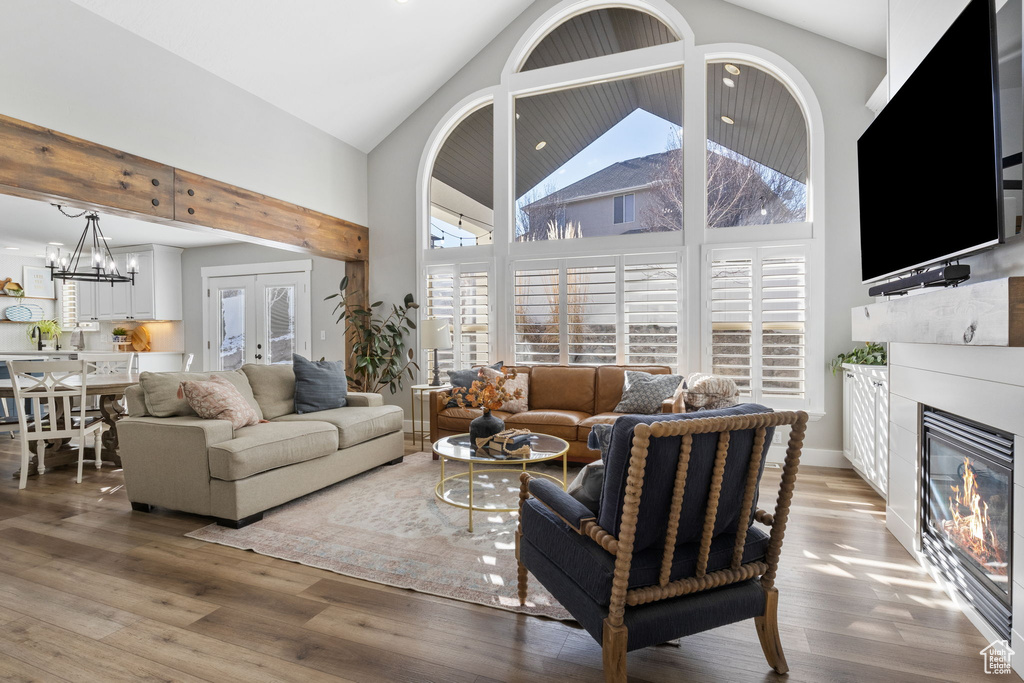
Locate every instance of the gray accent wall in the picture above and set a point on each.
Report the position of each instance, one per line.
(842, 77)
(324, 280)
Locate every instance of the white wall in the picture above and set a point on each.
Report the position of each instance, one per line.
(842, 78)
(66, 68)
(324, 280)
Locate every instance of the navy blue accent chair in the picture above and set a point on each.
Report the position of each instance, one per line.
(678, 544)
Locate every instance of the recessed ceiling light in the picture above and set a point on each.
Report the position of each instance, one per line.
(541, 145)
(729, 82)
(12, 248)
(401, 2)
(733, 69)
(107, 238)
(728, 120)
(56, 244)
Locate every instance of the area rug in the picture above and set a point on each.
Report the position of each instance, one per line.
(386, 526)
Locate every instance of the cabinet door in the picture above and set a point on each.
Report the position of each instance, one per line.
(120, 293)
(104, 301)
(862, 418)
(881, 455)
(847, 403)
(86, 301)
(143, 299)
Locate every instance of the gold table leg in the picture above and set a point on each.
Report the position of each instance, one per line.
(470, 496)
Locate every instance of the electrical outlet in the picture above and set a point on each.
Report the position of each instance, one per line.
(777, 437)
(323, 335)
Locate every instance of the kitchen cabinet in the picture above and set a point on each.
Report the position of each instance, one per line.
(156, 294)
(866, 422)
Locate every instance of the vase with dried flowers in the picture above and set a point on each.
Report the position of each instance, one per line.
(488, 396)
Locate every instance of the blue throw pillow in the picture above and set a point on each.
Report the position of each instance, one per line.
(319, 385)
(465, 379)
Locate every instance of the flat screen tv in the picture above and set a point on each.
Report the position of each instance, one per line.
(930, 165)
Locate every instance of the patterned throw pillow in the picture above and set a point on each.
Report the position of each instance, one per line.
(643, 392)
(520, 381)
(709, 392)
(218, 399)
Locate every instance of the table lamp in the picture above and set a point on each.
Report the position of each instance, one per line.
(436, 335)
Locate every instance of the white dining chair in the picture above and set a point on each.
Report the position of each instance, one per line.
(45, 393)
(186, 362)
(110, 363)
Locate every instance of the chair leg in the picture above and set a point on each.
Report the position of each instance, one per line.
(613, 653)
(81, 458)
(520, 572)
(26, 456)
(768, 632)
(41, 457)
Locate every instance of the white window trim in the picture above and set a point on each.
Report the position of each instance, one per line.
(695, 233)
(456, 270)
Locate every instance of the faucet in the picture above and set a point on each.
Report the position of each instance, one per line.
(37, 337)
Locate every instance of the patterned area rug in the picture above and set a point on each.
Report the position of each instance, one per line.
(387, 526)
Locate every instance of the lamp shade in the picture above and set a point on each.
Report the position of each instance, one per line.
(435, 333)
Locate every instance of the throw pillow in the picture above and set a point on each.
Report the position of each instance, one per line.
(643, 392)
(709, 392)
(319, 385)
(218, 399)
(520, 381)
(586, 487)
(465, 379)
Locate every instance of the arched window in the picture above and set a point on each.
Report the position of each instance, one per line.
(462, 184)
(597, 33)
(757, 148)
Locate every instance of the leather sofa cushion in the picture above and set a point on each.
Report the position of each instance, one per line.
(610, 380)
(270, 445)
(458, 419)
(561, 423)
(562, 388)
(599, 419)
(274, 388)
(355, 425)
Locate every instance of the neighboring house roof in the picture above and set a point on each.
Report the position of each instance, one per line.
(628, 174)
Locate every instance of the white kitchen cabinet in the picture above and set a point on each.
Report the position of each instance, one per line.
(156, 294)
(866, 422)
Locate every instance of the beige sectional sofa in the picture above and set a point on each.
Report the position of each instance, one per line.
(174, 459)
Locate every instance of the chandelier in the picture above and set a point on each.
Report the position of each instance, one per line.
(91, 260)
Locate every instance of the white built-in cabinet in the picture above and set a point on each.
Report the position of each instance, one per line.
(866, 422)
(156, 294)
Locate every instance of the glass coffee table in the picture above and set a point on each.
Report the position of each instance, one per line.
(482, 464)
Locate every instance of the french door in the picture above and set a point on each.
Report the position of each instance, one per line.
(261, 319)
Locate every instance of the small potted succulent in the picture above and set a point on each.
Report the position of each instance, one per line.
(120, 335)
(488, 396)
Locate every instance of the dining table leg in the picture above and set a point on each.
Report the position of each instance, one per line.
(111, 411)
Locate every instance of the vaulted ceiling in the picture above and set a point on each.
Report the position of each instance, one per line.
(357, 68)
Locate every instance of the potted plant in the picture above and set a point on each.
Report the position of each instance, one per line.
(49, 330)
(869, 354)
(379, 357)
(487, 396)
(120, 335)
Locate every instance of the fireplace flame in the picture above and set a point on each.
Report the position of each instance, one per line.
(970, 529)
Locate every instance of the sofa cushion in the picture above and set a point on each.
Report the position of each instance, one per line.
(273, 387)
(271, 445)
(458, 419)
(161, 390)
(560, 423)
(355, 425)
(562, 388)
(610, 380)
(599, 419)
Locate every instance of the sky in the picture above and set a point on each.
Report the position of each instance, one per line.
(637, 135)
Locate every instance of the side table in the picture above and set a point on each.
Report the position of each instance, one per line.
(417, 399)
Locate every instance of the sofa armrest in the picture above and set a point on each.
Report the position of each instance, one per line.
(570, 510)
(677, 402)
(437, 404)
(356, 398)
(165, 460)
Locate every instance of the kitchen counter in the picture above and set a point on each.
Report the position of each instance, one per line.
(149, 361)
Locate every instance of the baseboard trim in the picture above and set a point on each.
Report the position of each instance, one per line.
(813, 457)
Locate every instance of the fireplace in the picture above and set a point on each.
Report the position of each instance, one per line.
(967, 504)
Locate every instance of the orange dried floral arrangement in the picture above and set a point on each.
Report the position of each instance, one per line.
(487, 395)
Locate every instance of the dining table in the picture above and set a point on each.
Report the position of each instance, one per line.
(110, 388)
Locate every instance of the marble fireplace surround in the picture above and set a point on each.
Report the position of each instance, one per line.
(981, 383)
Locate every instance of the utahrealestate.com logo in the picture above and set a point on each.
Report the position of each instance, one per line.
(997, 657)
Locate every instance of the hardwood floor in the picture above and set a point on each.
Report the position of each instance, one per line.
(90, 591)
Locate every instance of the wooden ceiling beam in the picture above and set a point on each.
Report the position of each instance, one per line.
(43, 164)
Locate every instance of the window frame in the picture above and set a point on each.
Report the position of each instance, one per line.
(695, 239)
(632, 207)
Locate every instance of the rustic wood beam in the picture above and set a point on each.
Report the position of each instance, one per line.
(358, 273)
(46, 165)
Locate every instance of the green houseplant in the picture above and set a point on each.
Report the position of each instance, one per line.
(869, 354)
(49, 329)
(379, 355)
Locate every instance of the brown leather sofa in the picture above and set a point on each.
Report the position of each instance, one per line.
(565, 401)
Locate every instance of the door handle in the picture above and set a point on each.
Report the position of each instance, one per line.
(259, 346)
(259, 357)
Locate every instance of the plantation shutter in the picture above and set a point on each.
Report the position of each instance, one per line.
(461, 295)
(762, 290)
(440, 303)
(651, 310)
(68, 305)
(537, 320)
(590, 313)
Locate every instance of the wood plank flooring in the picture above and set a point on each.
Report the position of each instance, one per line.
(90, 591)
